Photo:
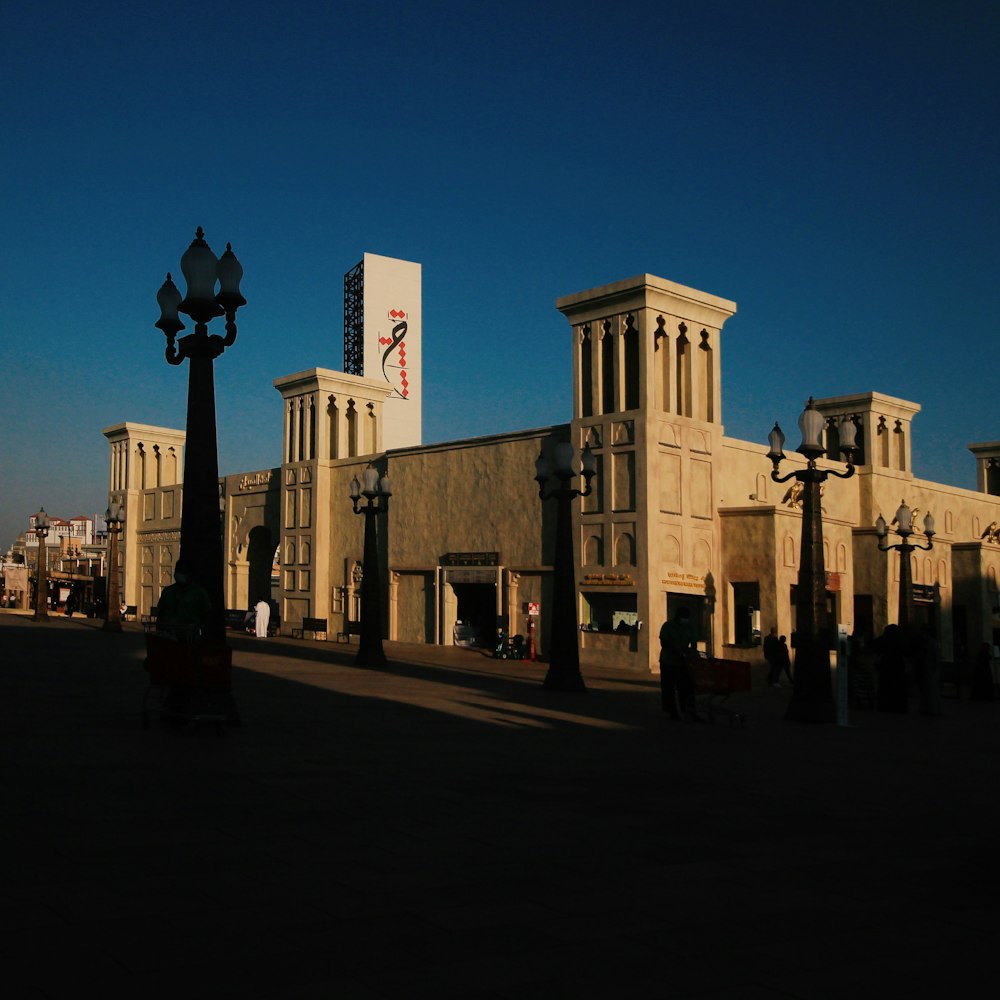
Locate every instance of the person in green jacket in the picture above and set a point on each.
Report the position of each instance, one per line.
(184, 605)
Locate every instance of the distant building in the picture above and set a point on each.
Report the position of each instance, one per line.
(75, 559)
(680, 513)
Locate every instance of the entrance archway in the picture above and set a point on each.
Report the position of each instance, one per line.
(260, 558)
(477, 607)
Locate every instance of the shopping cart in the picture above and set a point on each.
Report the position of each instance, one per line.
(715, 680)
(189, 682)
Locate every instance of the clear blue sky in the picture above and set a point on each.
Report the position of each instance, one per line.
(834, 167)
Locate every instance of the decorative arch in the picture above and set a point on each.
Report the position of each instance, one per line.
(671, 550)
(788, 550)
(701, 558)
(593, 550)
(625, 549)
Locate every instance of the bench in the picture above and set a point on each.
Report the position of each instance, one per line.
(349, 629)
(235, 619)
(314, 625)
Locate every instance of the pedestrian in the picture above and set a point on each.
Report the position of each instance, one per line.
(784, 660)
(982, 675)
(771, 655)
(928, 664)
(263, 617)
(891, 669)
(677, 640)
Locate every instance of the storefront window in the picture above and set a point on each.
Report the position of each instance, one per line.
(604, 612)
(746, 627)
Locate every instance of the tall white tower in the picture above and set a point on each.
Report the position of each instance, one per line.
(382, 330)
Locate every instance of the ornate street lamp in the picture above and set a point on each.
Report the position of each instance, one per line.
(812, 692)
(201, 544)
(904, 528)
(41, 530)
(376, 492)
(564, 632)
(115, 518)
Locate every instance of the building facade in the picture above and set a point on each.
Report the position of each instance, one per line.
(680, 514)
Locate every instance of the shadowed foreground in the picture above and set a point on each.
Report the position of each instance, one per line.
(443, 827)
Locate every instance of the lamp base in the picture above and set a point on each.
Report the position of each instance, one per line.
(564, 679)
(374, 657)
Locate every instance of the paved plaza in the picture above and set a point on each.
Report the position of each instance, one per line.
(444, 827)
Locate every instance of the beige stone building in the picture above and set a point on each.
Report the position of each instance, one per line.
(679, 513)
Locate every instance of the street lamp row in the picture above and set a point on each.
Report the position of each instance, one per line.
(812, 695)
(370, 497)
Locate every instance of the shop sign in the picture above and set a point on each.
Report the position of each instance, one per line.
(608, 580)
(254, 479)
(833, 582)
(470, 559)
(692, 580)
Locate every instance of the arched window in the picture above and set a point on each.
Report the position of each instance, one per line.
(631, 337)
(683, 393)
(333, 412)
(708, 378)
(607, 369)
(586, 373)
(661, 355)
(352, 429)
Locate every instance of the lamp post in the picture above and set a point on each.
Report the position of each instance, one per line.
(115, 518)
(904, 527)
(564, 635)
(201, 544)
(41, 530)
(376, 492)
(812, 691)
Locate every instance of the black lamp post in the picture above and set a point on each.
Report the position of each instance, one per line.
(564, 636)
(376, 492)
(41, 530)
(812, 692)
(201, 544)
(115, 518)
(904, 527)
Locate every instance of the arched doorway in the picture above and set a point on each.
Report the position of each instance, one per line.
(260, 558)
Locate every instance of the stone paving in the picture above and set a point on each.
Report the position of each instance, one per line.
(444, 827)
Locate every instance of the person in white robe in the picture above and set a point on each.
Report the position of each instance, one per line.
(263, 610)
